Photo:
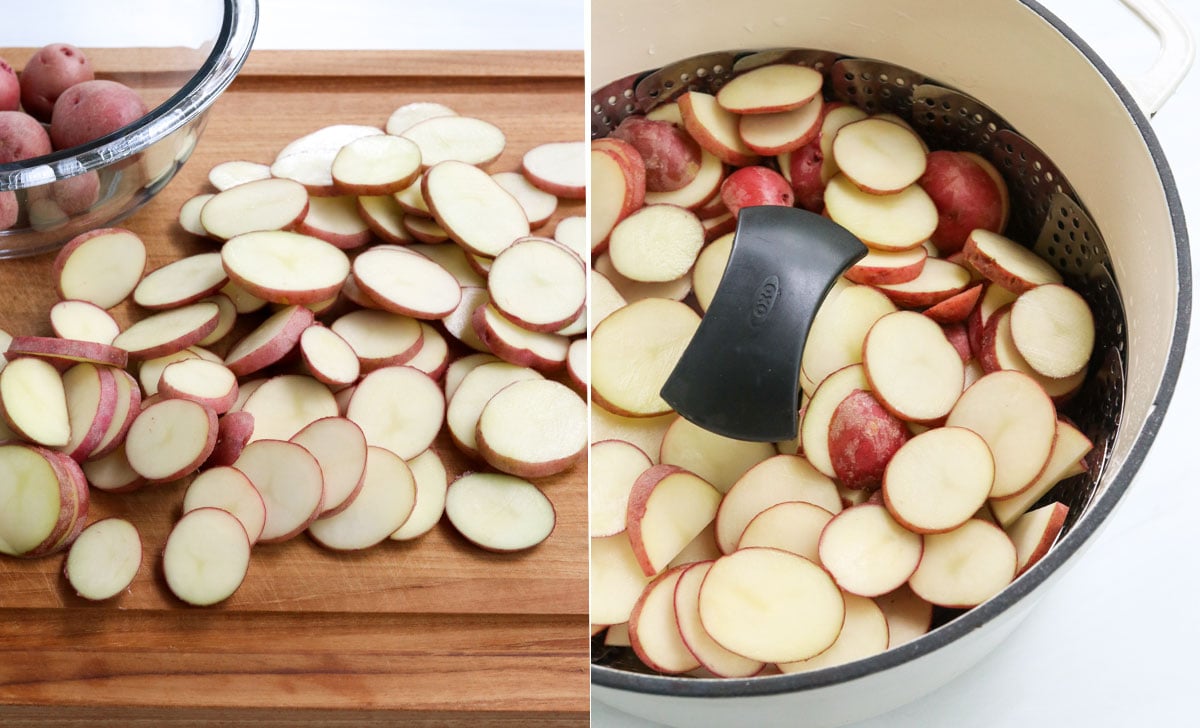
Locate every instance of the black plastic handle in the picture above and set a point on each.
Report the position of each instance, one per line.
(740, 375)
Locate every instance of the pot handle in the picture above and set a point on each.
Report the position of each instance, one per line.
(1176, 51)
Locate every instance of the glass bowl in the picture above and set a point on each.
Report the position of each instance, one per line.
(179, 57)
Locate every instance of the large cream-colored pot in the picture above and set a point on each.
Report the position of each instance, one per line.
(1026, 65)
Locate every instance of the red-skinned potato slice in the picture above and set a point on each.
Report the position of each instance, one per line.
(645, 432)
(461, 325)
(966, 195)
(384, 501)
(793, 526)
(206, 556)
(267, 204)
(340, 448)
(818, 415)
(992, 299)
(779, 479)
(701, 190)
(755, 185)
(867, 551)
(385, 217)
(91, 394)
(908, 615)
(998, 351)
(308, 160)
(170, 438)
(571, 231)
(532, 429)
(404, 117)
(285, 404)
(328, 358)
(884, 267)
(956, 308)
(1017, 420)
(378, 164)
(667, 507)
(62, 353)
(234, 430)
(878, 156)
(285, 267)
(1070, 447)
(128, 404)
(672, 158)
(189, 214)
(615, 580)
(714, 129)
(632, 290)
(863, 438)
(208, 383)
(784, 131)
(169, 331)
(712, 656)
(270, 342)
(379, 338)
(512, 343)
(429, 473)
(769, 89)
(236, 172)
(226, 318)
(101, 266)
(718, 459)
(578, 357)
(82, 321)
(614, 467)
(938, 281)
(456, 138)
(434, 355)
(835, 339)
(42, 499)
(425, 230)
(412, 201)
(291, 484)
(230, 490)
(472, 393)
(654, 631)
(104, 559)
(181, 282)
(939, 479)
(708, 270)
(407, 283)
(884, 222)
(336, 221)
(966, 566)
(864, 633)
(539, 205)
(499, 512)
(472, 208)
(1035, 532)
(33, 401)
(538, 284)
(771, 605)
(1053, 329)
(634, 350)
(557, 168)
(701, 548)
(618, 186)
(914, 371)
(398, 408)
(657, 243)
(1006, 262)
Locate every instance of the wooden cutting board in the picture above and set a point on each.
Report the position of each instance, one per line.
(430, 632)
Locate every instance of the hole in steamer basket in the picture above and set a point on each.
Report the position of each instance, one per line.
(1046, 216)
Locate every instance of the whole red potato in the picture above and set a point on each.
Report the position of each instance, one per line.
(9, 209)
(21, 137)
(750, 186)
(51, 71)
(807, 182)
(91, 109)
(10, 88)
(966, 198)
(672, 157)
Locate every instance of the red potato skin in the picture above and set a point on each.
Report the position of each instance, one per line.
(671, 157)
(987, 342)
(998, 180)
(717, 226)
(69, 503)
(48, 73)
(956, 334)
(805, 170)
(71, 351)
(990, 269)
(220, 405)
(507, 351)
(234, 430)
(882, 276)
(633, 171)
(10, 87)
(520, 468)
(921, 299)
(752, 186)
(636, 614)
(105, 411)
(1058, 517)
(966, 198)
(64, 254)
(705, 138)
(10, 209)
(639, 498)
(21, 137)
(276, 348)
(92, 109)
(956, 308)
(863, 436)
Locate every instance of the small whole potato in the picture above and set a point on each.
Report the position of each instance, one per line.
(9, 209)
(10, 88)
(52, 70)
(21, 137)
(91, 109)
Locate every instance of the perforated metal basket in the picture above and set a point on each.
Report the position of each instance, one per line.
(1046, 215)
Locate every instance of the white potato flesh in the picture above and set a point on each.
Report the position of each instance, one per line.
(341, 450)
(814, 427)
(376, 165)
(654, 630)
(429, 474)
(308, 160)
(104, 559)
(718, 459)
(864, 633)
(614, 465)
(539, 284)
(539, 206)
(35, 401)
(472, 208)
(668, 507)
(472, 394)
(456, 138)
(776, 479)
(385, 217)
(189, 213)
(236, 172)
(291, 484)
(914, 370)
(879, 156)
(657, 243)
(908, 615)
(780, 131)
(379, 337)
(229, 489)
(329, 357)
(1070, 447)
(1007, 262)
(463, 366)
(406, 283)
(867, 552)
(499, 512)
(411, 200)
(31, 499)
(336, 220)
(776, 87)
(1053, 328)
(112, 472)
(770, 605)
(169, 331)
(206, 557)
(533, 428)
(604, 299)
(610, 193)
(170, 438)
(82, 321)
(381, 506)
(632, 290)
(459, 323)
(793, 526)
(267, 204)
(615, 580)
(835, 339)
(558, 167)
(434, 355)
(898, 221)
(710, 269)
(939, 479)
(103, 269)
(966, 566)
(572, 231)
(201, 380)
(285, 267)
(404, 117)
(517, 343)
(284, 405)
(91, 394)
(712, 656)
(1007, 356)
(129, 399)
(226, 318)
(398, 408)
(454, 260)
(634, 350)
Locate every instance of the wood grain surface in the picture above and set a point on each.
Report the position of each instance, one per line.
(429, 632)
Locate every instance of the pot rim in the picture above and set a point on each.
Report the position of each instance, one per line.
(1087, 527)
